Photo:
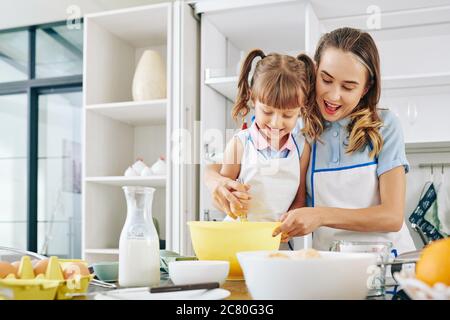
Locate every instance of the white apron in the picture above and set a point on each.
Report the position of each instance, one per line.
(351, 187)
(274, 182)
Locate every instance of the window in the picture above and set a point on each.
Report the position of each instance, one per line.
(13, 170)
(40, 139)
(59, 52)
(13, 56)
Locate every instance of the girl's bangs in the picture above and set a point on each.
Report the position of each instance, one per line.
(279, 95)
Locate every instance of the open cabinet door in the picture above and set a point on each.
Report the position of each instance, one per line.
(184, 116)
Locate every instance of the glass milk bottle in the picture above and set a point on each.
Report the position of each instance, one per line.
(139, 242)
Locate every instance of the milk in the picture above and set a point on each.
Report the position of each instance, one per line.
(138, 262)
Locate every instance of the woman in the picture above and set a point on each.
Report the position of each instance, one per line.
(356, 177)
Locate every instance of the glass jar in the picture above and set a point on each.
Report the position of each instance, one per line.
(376, 280)
(139, 243)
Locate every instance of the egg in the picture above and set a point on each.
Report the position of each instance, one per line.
(16, 265)
(34, 262)
(40, 267)
(71, 269)
(6, 268)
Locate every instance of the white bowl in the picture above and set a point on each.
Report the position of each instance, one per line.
(201, 271)
(335, 275)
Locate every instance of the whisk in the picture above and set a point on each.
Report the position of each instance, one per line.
(242, 216)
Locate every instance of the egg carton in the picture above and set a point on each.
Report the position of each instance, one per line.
(46, 286)
(419, 290)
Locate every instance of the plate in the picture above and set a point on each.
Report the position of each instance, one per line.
(142, 294)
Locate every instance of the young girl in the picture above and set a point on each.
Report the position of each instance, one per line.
(267, 157)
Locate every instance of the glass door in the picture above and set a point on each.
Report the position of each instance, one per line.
(59, 173)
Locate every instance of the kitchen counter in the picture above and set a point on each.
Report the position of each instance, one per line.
(238, 290)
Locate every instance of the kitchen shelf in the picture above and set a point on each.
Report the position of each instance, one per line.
(154, 181)
(427, 146)
(136, 113)
(114, 42)
(102, 251)
(416, 80)
(226, 86)
(115, 251)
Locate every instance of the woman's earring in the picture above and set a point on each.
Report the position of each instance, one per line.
(244, 124)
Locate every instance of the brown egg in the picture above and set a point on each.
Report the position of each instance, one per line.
(40, 267)
(6, 268)
(34, 262)
(16, 265)
(73, 268)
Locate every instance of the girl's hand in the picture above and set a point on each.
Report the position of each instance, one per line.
(230, 196)
(299, 222)
(285, 238)
(243, 211)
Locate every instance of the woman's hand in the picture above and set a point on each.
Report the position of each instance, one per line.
(231, 197)
(299, 222)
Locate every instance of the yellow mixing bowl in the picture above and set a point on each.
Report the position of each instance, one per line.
(222, 240)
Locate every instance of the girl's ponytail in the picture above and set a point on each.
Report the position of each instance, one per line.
(310, 81)
(241, 107)
(312, 119)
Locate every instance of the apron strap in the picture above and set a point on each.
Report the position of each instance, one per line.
(313, 170)
(296, 145)
(249, 138)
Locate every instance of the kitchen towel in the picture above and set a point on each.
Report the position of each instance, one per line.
(443, 205)
(425, 214)
(167, 256)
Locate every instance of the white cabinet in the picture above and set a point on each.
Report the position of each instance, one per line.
(413, 38)
(118, 130)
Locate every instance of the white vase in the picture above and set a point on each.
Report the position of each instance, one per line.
(138, 166)
(130, 172)
(159, 167)
(147, 172)
(149, 81)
